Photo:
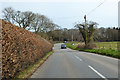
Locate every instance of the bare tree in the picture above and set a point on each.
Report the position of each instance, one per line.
(8, 14)
(28, 18)
(87, 29)
(18, 18)
(36, 23)
(23, 19)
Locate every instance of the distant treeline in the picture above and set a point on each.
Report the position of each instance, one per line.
(107, 34)
(100, 34)
(42, 25)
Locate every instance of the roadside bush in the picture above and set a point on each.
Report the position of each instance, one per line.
(20, 48)
(82, 46)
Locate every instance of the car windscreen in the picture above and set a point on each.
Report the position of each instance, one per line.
(63, 45)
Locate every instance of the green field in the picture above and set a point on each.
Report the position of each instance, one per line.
(100, 45)
(106, 45)
(110, 48)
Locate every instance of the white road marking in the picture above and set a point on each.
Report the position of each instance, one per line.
(97, 72)
(78, 58)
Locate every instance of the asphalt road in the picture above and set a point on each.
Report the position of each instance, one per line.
(68, 63)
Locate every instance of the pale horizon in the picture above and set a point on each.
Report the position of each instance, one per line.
(67, 13)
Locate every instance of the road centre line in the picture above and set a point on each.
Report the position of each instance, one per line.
(78, 58)
(94, 70)
(97, 72)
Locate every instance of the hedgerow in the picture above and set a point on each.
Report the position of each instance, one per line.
(20, 48)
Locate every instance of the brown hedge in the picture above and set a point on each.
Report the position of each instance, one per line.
(20, 48)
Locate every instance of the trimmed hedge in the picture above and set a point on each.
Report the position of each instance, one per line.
(20, 48)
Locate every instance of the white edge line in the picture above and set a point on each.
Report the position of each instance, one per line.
(97, 72)
(78, 58)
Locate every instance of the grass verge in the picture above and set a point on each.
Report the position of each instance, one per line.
(107, 52)
(32, 68)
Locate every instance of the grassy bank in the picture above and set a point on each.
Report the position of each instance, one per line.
(107, 52)
(32, 68)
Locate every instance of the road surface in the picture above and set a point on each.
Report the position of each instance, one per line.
(68, 63)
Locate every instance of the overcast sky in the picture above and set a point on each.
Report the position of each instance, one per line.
(66, 12)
